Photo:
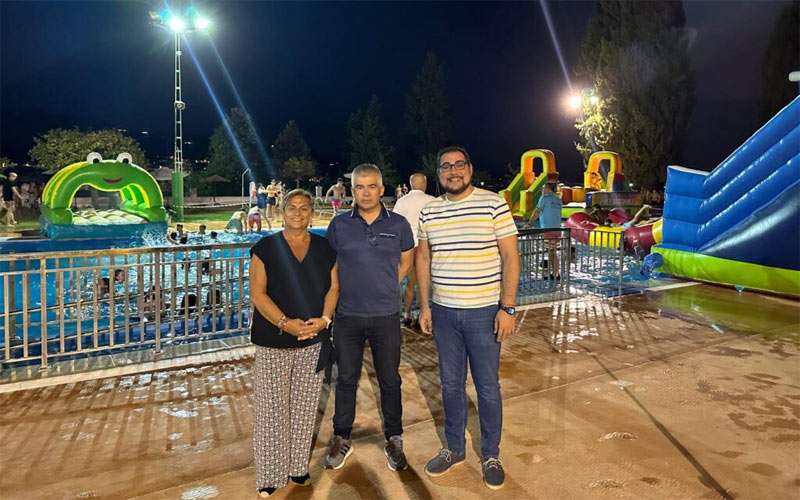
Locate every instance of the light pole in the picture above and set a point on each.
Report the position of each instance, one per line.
(178, 27)
(574, 103)
(243, 174)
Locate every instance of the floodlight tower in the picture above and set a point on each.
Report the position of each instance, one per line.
(178, 26)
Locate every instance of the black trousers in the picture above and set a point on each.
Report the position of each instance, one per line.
(383, 334)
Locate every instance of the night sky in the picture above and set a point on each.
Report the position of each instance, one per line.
(101, 64)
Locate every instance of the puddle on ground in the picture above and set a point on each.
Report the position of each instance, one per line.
(200, 492)
(617, 435)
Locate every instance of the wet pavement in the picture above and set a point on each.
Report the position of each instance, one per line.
(685, 393)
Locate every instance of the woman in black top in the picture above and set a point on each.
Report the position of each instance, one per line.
(294, 289)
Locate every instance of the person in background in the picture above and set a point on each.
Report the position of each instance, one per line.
(409, 207)
(178, 236)
(237, 222)
(398, 192)
(10, 195)
(254, 220)
(336, 195)
(201, 230)
(548, 214)
(272, 198)
(261, 200)
(294, 289)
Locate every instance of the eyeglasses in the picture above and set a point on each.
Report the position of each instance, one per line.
(458, 166)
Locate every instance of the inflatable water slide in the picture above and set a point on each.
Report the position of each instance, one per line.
(740, 223)
(524, 191)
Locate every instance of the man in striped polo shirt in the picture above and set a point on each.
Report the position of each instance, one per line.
(468, 256)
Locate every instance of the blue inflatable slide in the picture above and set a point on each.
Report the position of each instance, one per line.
(740, 223)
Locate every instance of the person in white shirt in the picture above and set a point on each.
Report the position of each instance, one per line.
(409, 207)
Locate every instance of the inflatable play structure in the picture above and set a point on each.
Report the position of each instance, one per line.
(602, 189)
(740, 223)
(525, 189)
(610, 190)
(639, 238)
(140, 211)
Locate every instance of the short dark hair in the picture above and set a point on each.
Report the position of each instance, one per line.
(452, 149)
(295, 193)
(366, 169)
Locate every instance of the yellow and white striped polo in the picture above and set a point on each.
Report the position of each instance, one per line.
(462, 236)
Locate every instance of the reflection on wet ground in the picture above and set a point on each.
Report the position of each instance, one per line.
(687, 393)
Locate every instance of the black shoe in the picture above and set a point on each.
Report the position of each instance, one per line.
(304, 480)
(338, 450)
(395, 458)
(493, 474)
(266, 492)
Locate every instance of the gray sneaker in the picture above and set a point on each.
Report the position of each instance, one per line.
(395, 458)
(493, 474)
(338, 450)
(441, 463)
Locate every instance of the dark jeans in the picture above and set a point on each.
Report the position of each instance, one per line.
(468, 335)
(383, 334)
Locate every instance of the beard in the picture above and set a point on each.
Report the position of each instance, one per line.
(456, 191)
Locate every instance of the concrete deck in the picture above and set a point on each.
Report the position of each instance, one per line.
(684, 393)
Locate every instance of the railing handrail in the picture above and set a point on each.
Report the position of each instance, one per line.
(113, 252)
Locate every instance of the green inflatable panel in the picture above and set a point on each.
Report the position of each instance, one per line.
(139, 191)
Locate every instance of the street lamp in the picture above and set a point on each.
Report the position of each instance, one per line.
(243, 174)
(179, 27)
(574, 103)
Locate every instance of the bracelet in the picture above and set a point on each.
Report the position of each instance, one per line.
(281, 323)
(328, 321)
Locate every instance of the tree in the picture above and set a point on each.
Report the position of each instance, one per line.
(290, 144)
(636, 56)
(230, 160)
(297, 168)
(781, 56)
(367, 140)
(60, 147)
(6, 163)
(428, 120)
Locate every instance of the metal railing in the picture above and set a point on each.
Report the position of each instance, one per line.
(545, 257)
(599, 264)
(84, 302)
(81, 303)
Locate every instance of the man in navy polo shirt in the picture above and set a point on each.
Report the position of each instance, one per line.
(374, 249)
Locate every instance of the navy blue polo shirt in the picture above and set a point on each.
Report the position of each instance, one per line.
(368, 256)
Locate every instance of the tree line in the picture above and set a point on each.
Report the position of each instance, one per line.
(634, 56)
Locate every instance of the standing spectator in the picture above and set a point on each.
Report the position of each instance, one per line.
(409, 207)
(10, 192)
(468, 256)
(294, 289)
(272, 199)
(374, 248)
(261, 200)
(336, 194)
(548, 213)
(398, 192)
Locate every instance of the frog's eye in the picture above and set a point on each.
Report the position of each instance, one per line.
(125, 158)
(94, 157)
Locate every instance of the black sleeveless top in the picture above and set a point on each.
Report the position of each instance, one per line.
(297, 288)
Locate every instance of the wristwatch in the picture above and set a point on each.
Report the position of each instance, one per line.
(328, 321)
(510, 310)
